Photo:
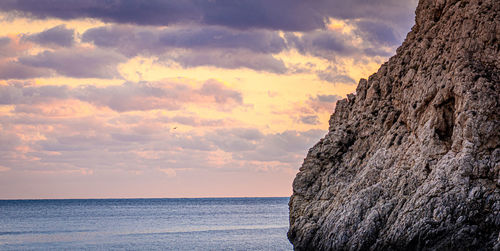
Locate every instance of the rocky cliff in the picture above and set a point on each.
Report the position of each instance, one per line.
(412, 159)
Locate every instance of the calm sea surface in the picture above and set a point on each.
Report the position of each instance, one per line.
(145, 224)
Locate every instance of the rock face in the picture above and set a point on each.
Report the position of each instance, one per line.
(412, 160)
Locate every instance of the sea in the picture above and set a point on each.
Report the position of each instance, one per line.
(145, 224)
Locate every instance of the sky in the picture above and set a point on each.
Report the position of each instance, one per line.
(165, 98)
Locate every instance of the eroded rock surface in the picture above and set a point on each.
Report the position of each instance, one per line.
(412, 160)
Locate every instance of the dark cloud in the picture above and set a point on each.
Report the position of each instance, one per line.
(129, 96)
(278, 14)
(209, 46)
(77, 63)
(309, 119)
(377, 52)
(330, 44)
(243, 14)
(323, 103)
(333, 77)
(14, 70)
(230, 59)
(260, 41)
(128, 40)
(4, 49)
(322, 43)
(56, 36)
(290, 15)
(326, 98)
(376, 32)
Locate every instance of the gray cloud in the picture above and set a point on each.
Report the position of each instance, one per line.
(15, 70)
(230, 59)
(208, 46)
(329, 44)
(158, 95)
(128, 40)
(129, 96)
(5, 51)
(309, 119)
(287, 147)
(55, 36)
(193, 121)
(19, 94)
(96, 142)
(326, 98)
(323, 103)
(321, 43)
(377, 33)
(235, 139)
(333, 77)
(290, 15)
(9, 141)
(260, 41)
(77, 63)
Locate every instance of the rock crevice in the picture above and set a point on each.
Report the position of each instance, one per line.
(412, 160)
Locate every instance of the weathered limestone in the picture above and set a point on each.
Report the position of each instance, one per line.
(412, 160)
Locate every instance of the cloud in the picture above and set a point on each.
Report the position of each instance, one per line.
(260, 41)
(220, 93)
(235, 139)
(333, 77)
(77, 62)
(377, 33)
(309, 119)
(5, 51)
(289, 15)
(10, 69)
(19, 94)
(128, 40)
(9, 141)
(322, 43)
(194, 121)
(207, 46)
(129, 96)
(245, 14)
(229, 59)
(53, 37)
(288, 146)
(11, 47)
(136, 142)
(159, 95)
(323, 103)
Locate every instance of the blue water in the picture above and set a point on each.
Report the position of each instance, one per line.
(145, 224)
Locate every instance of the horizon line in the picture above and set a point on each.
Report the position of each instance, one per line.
(150, 198)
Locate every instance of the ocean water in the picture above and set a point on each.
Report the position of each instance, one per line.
(145, 224)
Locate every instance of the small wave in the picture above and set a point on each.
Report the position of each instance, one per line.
(226, 229)
(44, 232)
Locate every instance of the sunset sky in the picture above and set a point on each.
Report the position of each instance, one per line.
(195, 98)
